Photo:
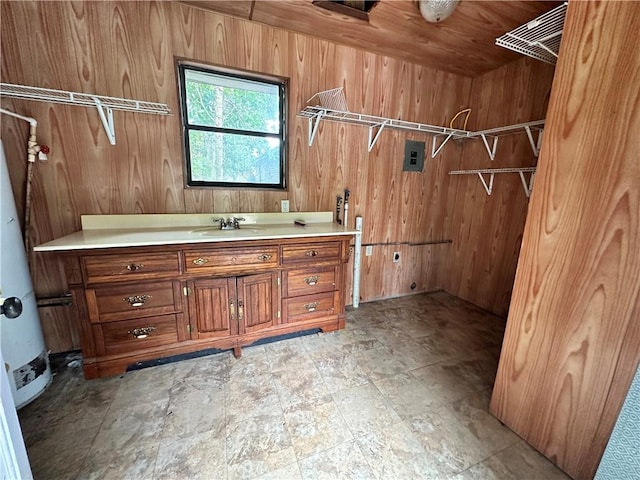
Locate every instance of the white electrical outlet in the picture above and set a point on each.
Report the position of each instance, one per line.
(284, 206)
(396, 257)
(368, 250)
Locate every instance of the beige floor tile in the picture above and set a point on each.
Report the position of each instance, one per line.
(473, 413)
(290, 356)
(288, 472)
(250, 395)
(146, 385)
(489, 469)
(344, 462)
(298, 384)
(395, 452)
(448, 441)
(526, 463)
(315, 425)
(58, 452)
(132, 463)
(446, 382)
(70, 399)
(357, 403)
(364, 409)
(200, 456)
(381, 362)
(258, 445)
(407, 395)
(125, 428)
(339, 371)
(194, 412)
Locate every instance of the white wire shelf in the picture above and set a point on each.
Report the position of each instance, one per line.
(105, 105)
(494, 133)
(540, 38)
(488, 186)
(331, 105)
(377, 125)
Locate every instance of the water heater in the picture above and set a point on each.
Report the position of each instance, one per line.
(25, 357)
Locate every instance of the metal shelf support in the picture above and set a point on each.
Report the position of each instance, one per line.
(314, 122)
(434, 150)
(104, 105)
(535, 145)
(374, 138)
(490, 150)
(488, 187)
(528, 187)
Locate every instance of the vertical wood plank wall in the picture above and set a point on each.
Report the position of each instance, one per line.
(487, 230)
(129, 49)
(572, 342)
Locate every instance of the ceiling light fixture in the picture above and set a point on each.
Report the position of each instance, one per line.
(435, 11)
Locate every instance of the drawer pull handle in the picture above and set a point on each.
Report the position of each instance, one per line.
(136, 300)
(142, 332)
(312, 280)
(264, 257)
(240, 309)
(200, 261)
(311, 307)
(312, 253)
(134, 267)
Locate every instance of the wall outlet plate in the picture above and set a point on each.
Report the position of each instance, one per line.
(284, 206)
(396, 257)
(368, 250)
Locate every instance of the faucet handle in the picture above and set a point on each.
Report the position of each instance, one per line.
(221, 221)
(239, 219)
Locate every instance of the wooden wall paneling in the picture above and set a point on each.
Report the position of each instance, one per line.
(237, 8)
(463, 45)
(129, 49)
(487, 230)
(572, 343)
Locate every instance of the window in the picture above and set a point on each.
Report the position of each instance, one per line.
(234, 128)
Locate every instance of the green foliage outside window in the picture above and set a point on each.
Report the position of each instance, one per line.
(233, 129)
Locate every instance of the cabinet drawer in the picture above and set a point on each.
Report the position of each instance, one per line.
(230, 259)
(309, 281)
(131, 335)
(310, 306)
(123, 302)
(130, 267)
(306, 252)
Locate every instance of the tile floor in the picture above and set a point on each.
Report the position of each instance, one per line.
(401, 393)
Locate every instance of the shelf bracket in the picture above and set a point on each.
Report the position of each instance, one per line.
(434, 150)
(313, 126)
(374, 138)
(490, 150)
(107, 120)
(488, 188)
(535, 145)
(528, 187)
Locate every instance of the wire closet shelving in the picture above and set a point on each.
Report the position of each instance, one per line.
(331, 105)
(104, 105)
(540, 38)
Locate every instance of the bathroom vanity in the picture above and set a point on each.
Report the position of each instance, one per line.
(144, 290)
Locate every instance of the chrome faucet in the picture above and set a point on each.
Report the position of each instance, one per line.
(229, 223)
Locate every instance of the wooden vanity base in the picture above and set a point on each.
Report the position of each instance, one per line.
(136, 304)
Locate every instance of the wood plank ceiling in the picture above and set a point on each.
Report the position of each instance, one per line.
(463, 44)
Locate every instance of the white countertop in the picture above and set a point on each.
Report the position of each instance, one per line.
(109, 231)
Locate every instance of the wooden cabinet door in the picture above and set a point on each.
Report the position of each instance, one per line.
(212, 308)
(258, 303)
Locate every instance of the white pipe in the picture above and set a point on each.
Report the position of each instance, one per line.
(32, 121)
(356, 263)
